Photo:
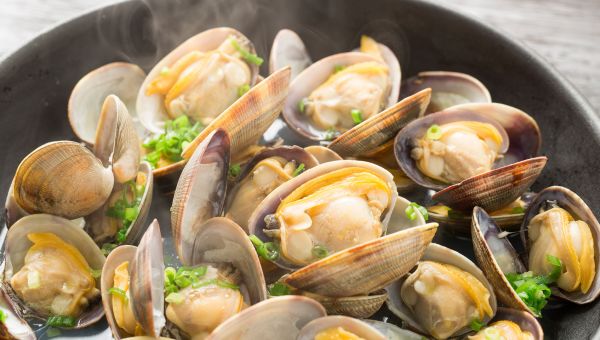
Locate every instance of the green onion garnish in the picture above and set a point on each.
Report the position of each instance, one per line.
(234, 170)
(266, 250)
(319, 251)
(302, 104)
(279, 289)
(331, 133)
(249, 57)
(118, 292)
(243, 89)
(183, 277)
(298, 170)
(476, 325)
(170, 144)
(517, 210)
(107, 248)
(556, 264)
(3, 316)
(434, 132)
(357, 117)
(175, 298)
(411, 211)
(96, 273)
(125, 210)
(338, 68)
(61, 321)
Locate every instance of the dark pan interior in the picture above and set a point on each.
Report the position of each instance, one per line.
(36, 80)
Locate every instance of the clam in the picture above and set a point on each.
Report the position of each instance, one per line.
(568, 231)
(200, 192)
(322, 102)
(448, 89)
(360, 306)
(393, 332)
(511, 324)
(338, 326)
(85, 103)
(286, 315)
(49, 271)
(405, 216)
(442, 275)
(12, 325)
(288, 50)
(323, 154)
(262, 174)
(475, 154)
(207, 62)
(62, 178)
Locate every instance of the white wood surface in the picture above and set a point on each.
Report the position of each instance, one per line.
(565, 32)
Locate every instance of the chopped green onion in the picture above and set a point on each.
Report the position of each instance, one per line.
(164, 71)
(61, 321)
(216, 282)
(249, 57)
(175, 298)
(357, 117)
(302, 104)
(225, 284)
(169, 144)
(118, 292)
(243, 89)
(279, 289)
(338, 68)
(434, 132)
(234, 170)
(33, 280)
(517, 210)
(331, 133)
(107, 248)
(411, 211)
(319, 251)
(96, 273)
(3, 316)
(298, 170)
(556, 271)
(476, 325)
(266, 250)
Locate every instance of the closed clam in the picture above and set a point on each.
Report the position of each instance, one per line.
(467, 153)
(448, 89)
(85, 103)
(62, 178)
(442, 274)
(286, 315)
(340, 326)
(48, 271)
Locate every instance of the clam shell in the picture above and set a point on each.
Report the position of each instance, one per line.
(147, 282)
(117, 144)
(220, 240)
(323, 154)
(268, 206)
(525, 321)
(393, 332)
(286, 315)
(114, 259)
(449, 89)
(366, 267)
(361, 306)
(62, 178)
(151, 111)
(440, 254)
(13, 327)
(288, 50)
(380, 128)
(494, 189)
(400, 221)
(310, 79)
(119, 78)
(251, 115)
(484, 230)
(575, 205)
(357, 327)
(200, 192)
(17, 245)
(12, 211)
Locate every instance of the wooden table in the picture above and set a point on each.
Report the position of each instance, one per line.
(565, 32)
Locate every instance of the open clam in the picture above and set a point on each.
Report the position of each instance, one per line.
(393, 332)
(448, 89)
(442, 274)
(85, 103)
(13, 327)
(286, 315)
(467, 153)
(262, 174)
(568, 260)
(322, 102)
(49, 271)
(288, 50)
(511, 324)
(338, 326)
(323, 154)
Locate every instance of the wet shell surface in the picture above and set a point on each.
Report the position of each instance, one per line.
(200, 192)
(393, 332)
(354, 326)
(120, 79)
(13, 326)
(286, 315)
(62, 178)
(323, 154)
(288, 50)
(17, 246)
(440, 254)
(151, 110)
(400, 220)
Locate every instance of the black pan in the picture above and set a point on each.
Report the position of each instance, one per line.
(36, 80)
